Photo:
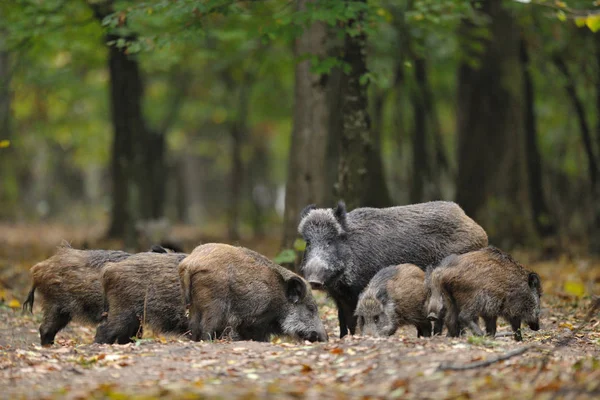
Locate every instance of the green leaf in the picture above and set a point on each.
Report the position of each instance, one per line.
(299, 245)
(593, 22)
(286, 256)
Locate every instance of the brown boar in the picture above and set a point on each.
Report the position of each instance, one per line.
(143, 289)
(237, 292)
(394, 297)
(486, 283)
(69, 283)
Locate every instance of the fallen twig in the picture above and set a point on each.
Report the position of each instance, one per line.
(480, 364)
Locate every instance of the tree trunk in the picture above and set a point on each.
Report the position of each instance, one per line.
(491, 182)
(306, 178)
(8, 177)
(134, 148)
(595, 231)
(420, 158)
(584, 127)
(542, 219)
(355, 140)
(377, 194)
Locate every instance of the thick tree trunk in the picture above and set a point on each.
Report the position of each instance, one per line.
(542, 218)
(355, 140)
(595, 231)
(377, 194)
(491, 182)
(306, 178)
(420, 159)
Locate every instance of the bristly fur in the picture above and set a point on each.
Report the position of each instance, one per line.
(345, 250)
(237, 292)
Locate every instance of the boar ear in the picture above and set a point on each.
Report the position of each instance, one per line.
(535, 282)
(340, 213)
(295, 289)
(307, 210)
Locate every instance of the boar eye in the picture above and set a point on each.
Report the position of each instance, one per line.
(376, 319)
(312, 308)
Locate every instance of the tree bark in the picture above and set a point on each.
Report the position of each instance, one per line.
(491, 182)
(306, 178)
(239, 131)
(584, 127)
(131, 155)
(9, 186)
(377, 194)
(420, 159)
(355, 140)
(595, 231)
(540, 213)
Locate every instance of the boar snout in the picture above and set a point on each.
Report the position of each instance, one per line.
(315, 336)
(534, 326)
(314, 272)
(432, 317)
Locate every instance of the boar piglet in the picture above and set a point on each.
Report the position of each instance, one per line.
(69, 283)
(394, 297)
(236, 292)
(143, 289)
(345, 250)
(486, 283)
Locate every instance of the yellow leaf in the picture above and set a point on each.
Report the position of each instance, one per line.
(574, 288)
(14, 303)
(561, 15)
(4, 144)
(593, 22)
(580, 21)
(162, 339)
(560, 4)
(566, 325)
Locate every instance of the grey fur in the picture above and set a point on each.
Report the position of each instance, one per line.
(487, 283)
(143, 288)
(69, 283)
(395, 297)
(345, 250)
(236, 292)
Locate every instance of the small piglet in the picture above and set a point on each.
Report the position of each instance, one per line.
(486, 283)
(395, 297)
(143, 289)
(236, 292)
(69, 283)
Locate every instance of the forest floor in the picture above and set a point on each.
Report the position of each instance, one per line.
(562, 360)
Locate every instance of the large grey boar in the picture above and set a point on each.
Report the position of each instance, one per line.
(345, 250)
(69, 283)
(236, 292)
(142, 289)
(486, 283)
(395, 297)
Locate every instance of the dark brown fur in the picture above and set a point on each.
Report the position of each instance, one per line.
(395, 297)
(487, 283)
(69, 283)
(237, 292)
(143, 289)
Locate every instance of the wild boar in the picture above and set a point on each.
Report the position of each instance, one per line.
(486, 283)
(236, 292)
(395, 297)
(345, 250)
(143, 289)
(69, 283)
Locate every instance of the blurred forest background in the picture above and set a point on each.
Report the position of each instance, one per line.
(231, 116)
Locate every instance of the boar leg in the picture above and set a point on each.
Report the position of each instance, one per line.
(438, 325)
(515, 324)
(105, 335)
(54, 320)
(467, 320)
(490, 326)
(196, 325)
(342, 320)
(128, 328)
(347, 319)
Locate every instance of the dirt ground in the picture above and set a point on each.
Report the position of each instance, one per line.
(559, 361)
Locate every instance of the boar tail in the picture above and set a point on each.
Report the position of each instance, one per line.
(28, 303)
